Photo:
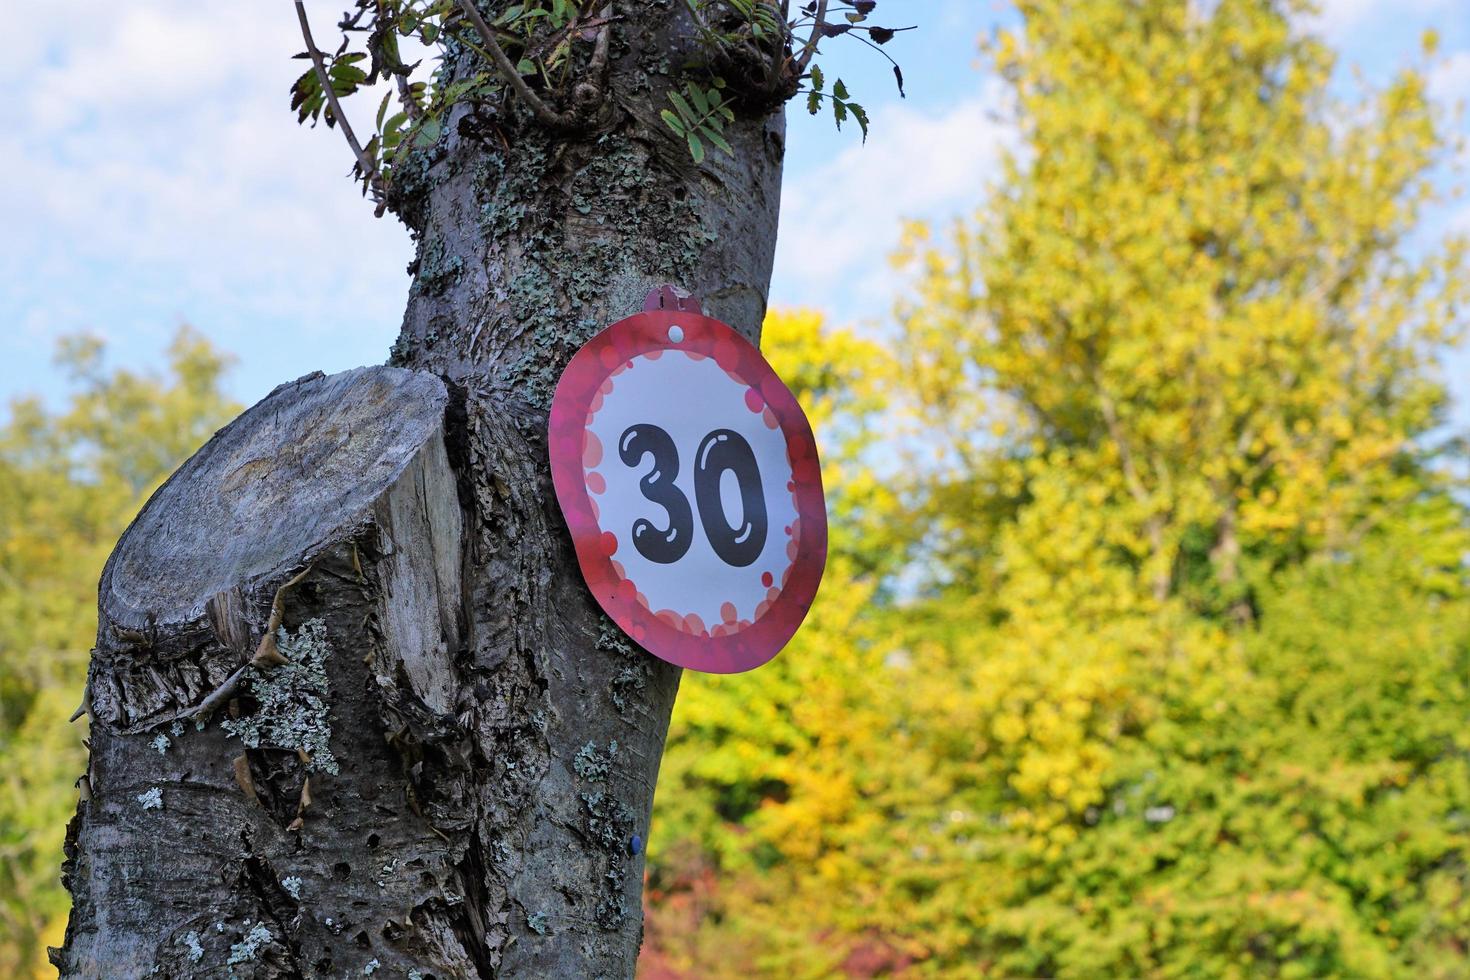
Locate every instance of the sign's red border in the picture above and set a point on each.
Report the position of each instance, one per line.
(577, 394)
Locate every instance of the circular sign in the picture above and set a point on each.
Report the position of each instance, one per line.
(689, 478)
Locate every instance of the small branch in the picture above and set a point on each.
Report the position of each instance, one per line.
(266, 655)
(818, 22)
(544, 114)
(85, 708)
(216, 697)
(369, 171)
(875, 47)
(406, 97)
(598, 66)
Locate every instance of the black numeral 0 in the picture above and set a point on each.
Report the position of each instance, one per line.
(719, 451)
(724, 450)
(662, 546)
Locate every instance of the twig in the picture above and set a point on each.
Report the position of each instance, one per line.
(544, 113)
(598, 65)
(818, 22)
(266, 655)
(85, 708)
(216, 697)
(369, 171)
(897, 70)
(406, 97)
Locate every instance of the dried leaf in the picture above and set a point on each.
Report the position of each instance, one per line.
(243, 777)
(267, 654)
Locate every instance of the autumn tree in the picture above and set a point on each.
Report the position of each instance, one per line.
(1175, 681)
(352, 707)
(1196, 288)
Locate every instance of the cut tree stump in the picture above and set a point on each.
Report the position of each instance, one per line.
(344, 719)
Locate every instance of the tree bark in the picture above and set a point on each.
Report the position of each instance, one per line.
(478, 742)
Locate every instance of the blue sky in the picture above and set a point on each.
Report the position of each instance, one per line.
(155, 176)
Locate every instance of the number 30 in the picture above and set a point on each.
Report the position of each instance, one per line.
(719, 451)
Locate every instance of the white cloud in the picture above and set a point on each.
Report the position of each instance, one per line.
(1338, 20)
(840, 221)
(1449, 81)
(154, 171)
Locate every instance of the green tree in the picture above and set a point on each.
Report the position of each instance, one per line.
(70, 480)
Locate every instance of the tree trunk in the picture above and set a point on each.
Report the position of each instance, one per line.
(451, 773)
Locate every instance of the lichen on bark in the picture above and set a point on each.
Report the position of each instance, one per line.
(292, 700)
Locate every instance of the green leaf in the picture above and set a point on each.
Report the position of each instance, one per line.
(839, 112)
(697, 96)
(672, 121)
(696, 148)
(428, 132)
(383, 108)
(840, 90)
(816, 77)
(346, 75)
(683, 107)
(452, 93)
(713, 135)
(813, 101)
(861, 115)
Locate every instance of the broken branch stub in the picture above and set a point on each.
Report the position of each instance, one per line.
(300, 469)
(341, 488)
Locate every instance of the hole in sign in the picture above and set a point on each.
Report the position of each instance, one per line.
(676, 334)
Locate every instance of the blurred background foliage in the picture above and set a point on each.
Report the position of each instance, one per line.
(1144, 645)
(70, 480)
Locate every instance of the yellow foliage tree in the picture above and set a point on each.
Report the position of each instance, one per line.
(1190, 296)
(1181, 689)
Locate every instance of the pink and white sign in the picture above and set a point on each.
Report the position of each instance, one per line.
(689, 478)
